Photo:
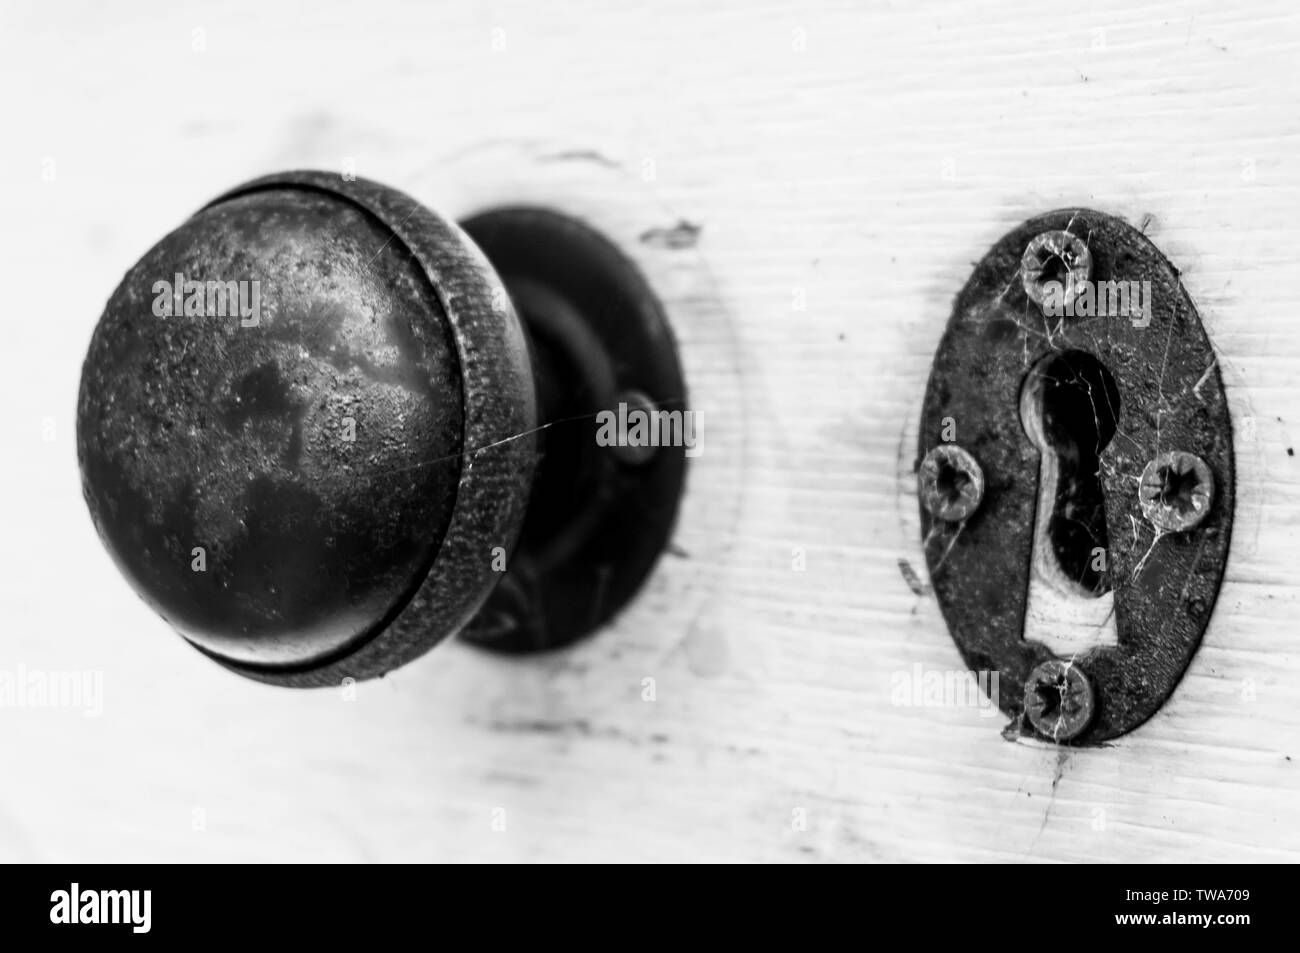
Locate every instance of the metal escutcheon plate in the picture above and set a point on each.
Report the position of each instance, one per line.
(1170, 398)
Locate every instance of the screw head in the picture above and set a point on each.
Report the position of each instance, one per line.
(950, 483)
(1059, 701)
(1176, 491)
(639, 454)
(1055, 256)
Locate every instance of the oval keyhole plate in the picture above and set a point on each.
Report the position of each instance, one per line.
(1013, 383)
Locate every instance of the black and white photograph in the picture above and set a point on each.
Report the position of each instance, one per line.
(693, 433)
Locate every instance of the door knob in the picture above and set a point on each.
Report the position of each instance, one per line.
(320, 428)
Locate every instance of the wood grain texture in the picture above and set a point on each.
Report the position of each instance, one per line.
(844, 166)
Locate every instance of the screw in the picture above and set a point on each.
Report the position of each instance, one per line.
(1176, 491)
(641, 453)
(1058, 700)
(950, 482)
(1055, 256)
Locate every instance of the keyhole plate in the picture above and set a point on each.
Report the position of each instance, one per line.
(1171, 398)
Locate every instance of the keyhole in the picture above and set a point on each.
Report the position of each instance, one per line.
(1069, 406)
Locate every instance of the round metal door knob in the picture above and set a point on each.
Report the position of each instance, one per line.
(319, 432)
